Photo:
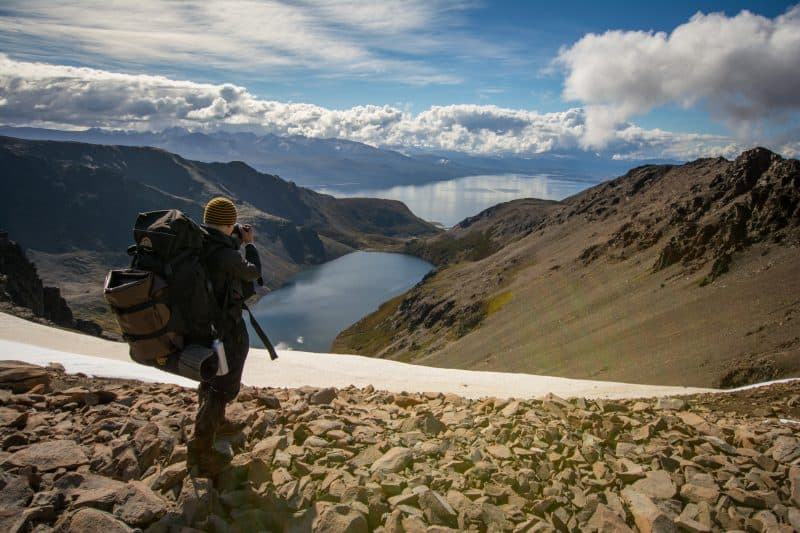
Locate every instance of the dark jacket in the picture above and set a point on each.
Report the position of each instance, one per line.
(231, 275)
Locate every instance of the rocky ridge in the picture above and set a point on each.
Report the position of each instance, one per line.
(479, 236)
(730, 206)
(22, 292)
(83, 454)
(690, 264)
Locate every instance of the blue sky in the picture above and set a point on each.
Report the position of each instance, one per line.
(476, 76)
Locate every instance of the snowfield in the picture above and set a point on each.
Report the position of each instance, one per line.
(22, 340)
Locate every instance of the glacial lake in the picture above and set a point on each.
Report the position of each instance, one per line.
(318, 303)
(449, 202)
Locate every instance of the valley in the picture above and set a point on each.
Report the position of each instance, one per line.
(72, 206)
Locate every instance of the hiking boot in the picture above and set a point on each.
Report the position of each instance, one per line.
(209, 461)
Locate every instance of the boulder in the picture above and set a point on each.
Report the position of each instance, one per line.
(197, 500)
(170, 476)
(13, 418)
(656, 484)
(648, 517)
(22, 377)
(436, 509)
(605, 519)
(794, 484)
(341, 519)
(50, 455)
(395, 460)
(87, 519)
(323, 396)
(499, 451)
(138, 505)
(15, 493)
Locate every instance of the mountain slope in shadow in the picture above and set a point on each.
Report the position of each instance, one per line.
(72, 205)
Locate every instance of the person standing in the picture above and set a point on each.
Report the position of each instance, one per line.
(232, 277)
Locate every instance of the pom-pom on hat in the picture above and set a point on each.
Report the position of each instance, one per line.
(220, 212)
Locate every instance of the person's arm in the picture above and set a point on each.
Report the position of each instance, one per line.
(240, 268)
(251, 256)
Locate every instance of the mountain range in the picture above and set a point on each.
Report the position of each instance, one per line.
(336, 163)
(72, 205)
(670, 274)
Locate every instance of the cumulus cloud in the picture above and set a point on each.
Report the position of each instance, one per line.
(67, 97)
(743, 69)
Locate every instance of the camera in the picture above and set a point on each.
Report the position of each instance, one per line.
(237, 230)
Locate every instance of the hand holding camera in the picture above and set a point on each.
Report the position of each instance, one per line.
(245, 232)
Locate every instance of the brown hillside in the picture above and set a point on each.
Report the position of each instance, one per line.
(669, 274)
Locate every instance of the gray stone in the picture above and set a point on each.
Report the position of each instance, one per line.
(170, 476)
(342, 519)
(16, 493)
(670, 404)
(793, 517)
(794, 483)
(606, 520)
(266, 448)
(323, 396)
(657, 484)
(499, 451)
(700, 493)
(197, 499)
(138, 505)
(50, 455)
(22, 377)
(786, 449)
(86, 520)
(13, 418)
(436, 509)
(648, 517)
(395, 460)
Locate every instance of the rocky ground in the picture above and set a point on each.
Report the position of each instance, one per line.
(83, 454)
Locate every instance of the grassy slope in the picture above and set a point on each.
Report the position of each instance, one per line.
(562, 311)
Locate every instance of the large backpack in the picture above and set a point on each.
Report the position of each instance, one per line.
(165, 298)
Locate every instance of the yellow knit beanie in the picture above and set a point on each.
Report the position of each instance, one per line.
(220, 211)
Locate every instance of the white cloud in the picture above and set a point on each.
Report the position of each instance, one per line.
(390, 38)
(743, 69)
(69, 97)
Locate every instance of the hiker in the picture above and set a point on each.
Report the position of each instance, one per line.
(232, 278)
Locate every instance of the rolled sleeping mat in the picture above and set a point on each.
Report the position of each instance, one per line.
(196, 362)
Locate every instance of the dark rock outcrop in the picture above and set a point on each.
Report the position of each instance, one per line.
(752, 199)
(20, 286)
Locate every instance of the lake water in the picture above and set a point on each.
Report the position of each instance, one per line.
(318, 303)
(449, 202)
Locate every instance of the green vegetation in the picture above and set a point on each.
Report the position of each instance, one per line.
(370, 334)
(497, 303)
(446, 249)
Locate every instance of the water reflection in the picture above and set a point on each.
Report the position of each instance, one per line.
(309, 312)
(449, 202)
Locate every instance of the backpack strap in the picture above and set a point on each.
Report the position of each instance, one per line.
(138, 307)
(261, 335)
(129, 337)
